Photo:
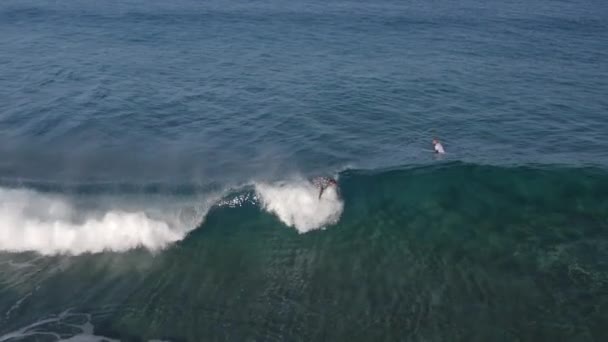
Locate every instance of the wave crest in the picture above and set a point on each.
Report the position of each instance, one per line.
(52, 224)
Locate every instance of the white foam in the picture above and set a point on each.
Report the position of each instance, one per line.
(52, 224)
(297, 204)
(82, 332)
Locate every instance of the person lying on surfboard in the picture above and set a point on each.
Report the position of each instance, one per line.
(323, 183)
(437, 147)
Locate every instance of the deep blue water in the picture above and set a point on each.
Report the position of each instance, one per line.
(155, 159)
(198, 90)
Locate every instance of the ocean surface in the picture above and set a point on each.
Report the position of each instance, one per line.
(157, 157)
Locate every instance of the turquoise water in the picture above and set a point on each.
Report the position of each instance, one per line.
(155, 179)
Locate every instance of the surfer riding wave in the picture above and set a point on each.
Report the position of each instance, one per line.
(323, 183)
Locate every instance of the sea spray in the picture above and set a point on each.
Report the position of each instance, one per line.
(52, 224)
(297, 204)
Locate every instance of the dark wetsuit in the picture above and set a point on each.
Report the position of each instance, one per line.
(323, 183)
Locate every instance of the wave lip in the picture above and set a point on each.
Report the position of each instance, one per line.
(297, 204)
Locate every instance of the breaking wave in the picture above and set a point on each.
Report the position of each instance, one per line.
(298, 204)
(53, 223)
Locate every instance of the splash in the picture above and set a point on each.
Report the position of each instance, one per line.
(298, 204)
(55, 224)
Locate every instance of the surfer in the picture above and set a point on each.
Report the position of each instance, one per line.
(323, 183)
(437, 147)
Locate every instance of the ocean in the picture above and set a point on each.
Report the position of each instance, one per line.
(158, 158)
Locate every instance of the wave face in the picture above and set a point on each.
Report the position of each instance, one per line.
(425, 244)
(54, 222)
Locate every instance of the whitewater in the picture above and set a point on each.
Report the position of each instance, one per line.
(52, 223)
